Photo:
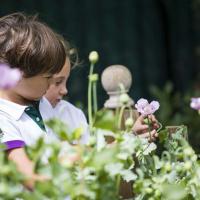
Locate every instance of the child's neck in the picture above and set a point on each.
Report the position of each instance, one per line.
(14, 97)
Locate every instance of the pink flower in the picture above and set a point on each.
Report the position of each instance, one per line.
(145, 108)
(195, 103)
(9, 76)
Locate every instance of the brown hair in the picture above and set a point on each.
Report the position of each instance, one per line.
(71, 52)
(30, 45)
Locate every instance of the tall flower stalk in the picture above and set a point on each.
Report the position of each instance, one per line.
(124, 101)
(92, 94)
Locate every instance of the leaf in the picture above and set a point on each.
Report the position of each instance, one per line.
(105, 119)
(77, 133)
(149, 148)
(158, 164)
(128, 175)
(163, 135)
(101, 142)
(114, 169)
(59, 128)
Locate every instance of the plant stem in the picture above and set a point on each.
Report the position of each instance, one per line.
(120, 116)
(94, 87)
(149, 129)
(90, 98)
(118, 184)
(160, 127)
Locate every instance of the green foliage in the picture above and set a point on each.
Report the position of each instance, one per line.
(173, 175)
(94, 171)
(175, 110)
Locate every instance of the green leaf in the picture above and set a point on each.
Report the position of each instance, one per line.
(59, 128)
(77, 133)
(105, 119)
(128, 175)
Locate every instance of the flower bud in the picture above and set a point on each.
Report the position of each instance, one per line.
(3, 188)
(148, 190)
(124, 98)
(129, 122)
(93, 77)
(92, 140)
(146, 121)
(5, 170)
(157, 193)
(168, 167)
(178, 168)
(187, 165)
(151, 198)
(188, 151)
(93, 57)
(194, 158)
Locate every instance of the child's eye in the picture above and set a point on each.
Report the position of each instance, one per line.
(48, 76)
(58, 83)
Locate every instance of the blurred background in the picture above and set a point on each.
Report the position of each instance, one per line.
(158, 40)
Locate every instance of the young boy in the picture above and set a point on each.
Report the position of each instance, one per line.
(33, 48)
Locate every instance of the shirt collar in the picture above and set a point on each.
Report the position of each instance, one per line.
(13, 109)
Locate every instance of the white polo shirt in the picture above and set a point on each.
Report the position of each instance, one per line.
(73, 117)
(19, 129)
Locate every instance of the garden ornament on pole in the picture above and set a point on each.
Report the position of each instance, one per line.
(112, 78)
(117, 80)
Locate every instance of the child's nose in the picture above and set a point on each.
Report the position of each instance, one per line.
(63, 91)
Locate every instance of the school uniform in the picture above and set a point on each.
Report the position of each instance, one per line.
(73, 117)
(23, 125)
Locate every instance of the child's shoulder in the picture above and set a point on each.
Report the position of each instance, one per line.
(10, 110)
(65, 105)
(46, 109)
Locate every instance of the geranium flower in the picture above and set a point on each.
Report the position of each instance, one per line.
(146, 108)
(195, 103)
(9, 76)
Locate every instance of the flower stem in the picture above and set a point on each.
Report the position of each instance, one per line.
(118, 184)
(160, 127)
(90, 98)
(120, 116)
(94, 87)
(149, 129)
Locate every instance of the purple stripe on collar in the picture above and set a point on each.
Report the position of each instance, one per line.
(14, 144)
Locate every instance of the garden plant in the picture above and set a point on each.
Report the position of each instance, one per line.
(166, 169)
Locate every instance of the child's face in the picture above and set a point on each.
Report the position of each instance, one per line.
(58, 88)
(33, 88)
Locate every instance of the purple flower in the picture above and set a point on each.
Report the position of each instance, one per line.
(146, 108)
(195, 103)
(9, 76)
